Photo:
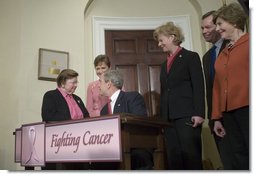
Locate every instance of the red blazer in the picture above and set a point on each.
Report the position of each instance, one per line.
(231, 82)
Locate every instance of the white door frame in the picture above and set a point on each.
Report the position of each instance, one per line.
(100, 24)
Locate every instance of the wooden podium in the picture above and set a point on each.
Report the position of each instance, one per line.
(140, 132)
(133, 131)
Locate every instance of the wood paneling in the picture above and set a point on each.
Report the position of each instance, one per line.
(138, 57)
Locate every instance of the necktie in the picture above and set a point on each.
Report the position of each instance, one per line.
(213, 58)
(109, 106)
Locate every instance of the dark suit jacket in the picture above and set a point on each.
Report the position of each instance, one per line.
(208, 79)
(128, 102)
(182, 89)
(55, 107)
(133, 103)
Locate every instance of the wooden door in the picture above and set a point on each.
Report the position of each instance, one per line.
(137, 55)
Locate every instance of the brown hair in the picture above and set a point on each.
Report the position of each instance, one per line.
(169, 29)
(101, 58)
(208, 14)
(233, 14)
(65, 75)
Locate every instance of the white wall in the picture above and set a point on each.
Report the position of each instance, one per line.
(9, 65)
(27, 25)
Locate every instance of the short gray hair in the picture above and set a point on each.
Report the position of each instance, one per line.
(115, 77)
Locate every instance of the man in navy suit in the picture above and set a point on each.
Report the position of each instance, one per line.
(121, 102)
(111, 83)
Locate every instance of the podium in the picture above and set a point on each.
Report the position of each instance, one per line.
(107, 138)
(140, 132)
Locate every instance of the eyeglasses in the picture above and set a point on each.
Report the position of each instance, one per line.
(72, 82)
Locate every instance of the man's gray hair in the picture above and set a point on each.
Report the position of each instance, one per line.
(115, 77)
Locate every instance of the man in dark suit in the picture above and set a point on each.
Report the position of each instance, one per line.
(62, 104)
(111, 83)
(212, 36)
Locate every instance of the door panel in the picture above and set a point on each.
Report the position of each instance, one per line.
(154, 80)
(138, 57)
(129, 71)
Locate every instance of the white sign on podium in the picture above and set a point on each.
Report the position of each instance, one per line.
(87, 140)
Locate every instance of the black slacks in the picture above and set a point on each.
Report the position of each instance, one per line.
(236, 124)
(183, 146)
(224, 148)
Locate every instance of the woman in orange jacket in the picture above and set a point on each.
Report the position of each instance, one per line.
(231, 84)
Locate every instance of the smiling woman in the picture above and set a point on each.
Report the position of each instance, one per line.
(62, 104)
(231, 84)
(95, 101)
(182, 100)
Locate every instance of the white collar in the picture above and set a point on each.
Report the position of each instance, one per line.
(115, 96)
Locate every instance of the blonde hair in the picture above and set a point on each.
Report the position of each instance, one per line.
(169, 29)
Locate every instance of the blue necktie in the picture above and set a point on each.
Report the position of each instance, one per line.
(213, 58)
